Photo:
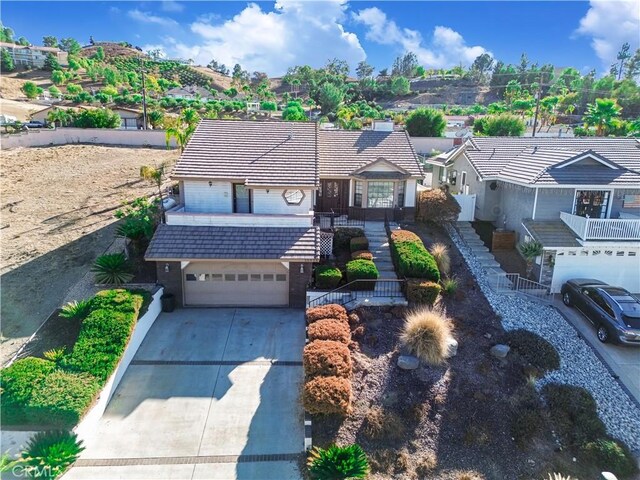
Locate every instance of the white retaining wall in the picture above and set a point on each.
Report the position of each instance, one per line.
(101, 136)
(90, 421)
(426, 145)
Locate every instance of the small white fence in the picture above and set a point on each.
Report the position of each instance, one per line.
(99, 136)
(467, 207)
(513, 283)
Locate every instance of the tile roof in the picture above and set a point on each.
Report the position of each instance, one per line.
(551, 233)
(32, 47)
(218, 243)
(258, 153)
(341, 152)
(531, 160)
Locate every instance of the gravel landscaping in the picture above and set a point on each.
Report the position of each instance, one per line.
(579, 364)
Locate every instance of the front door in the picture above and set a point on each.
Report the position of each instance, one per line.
(241, 199)
(333, 195)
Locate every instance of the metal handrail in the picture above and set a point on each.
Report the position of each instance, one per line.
(357, 289)
(513, 282)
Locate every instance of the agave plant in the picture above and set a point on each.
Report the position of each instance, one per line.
(338, 463)
(76, 309)
(530, 250)
(55, 354)
(112, 269)
(54, 451)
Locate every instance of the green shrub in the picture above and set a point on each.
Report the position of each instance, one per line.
(54, 449)
(574, 413)
(534, 349)
(362, 270)
(55, 354)
(359, 243)
(76, 309)
(104, 333)
(17, 384)
(338, 463)
(112, 269)
(449, 286)
(342, 237)
(327, 276)
(62, 398)
(412, 260)
(611, 456)
(422, 291)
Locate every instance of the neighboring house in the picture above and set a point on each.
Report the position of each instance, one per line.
(33, 56)
(243, 232)
(130, 119)
(579, 197)
(190, 92)
(41, 115)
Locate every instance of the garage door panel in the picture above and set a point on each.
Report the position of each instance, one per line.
(229, 283)
(614, 266)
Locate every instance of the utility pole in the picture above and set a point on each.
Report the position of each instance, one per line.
(144, 93)
(535, 116)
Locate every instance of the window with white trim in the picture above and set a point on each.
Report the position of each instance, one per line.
(380, 195)
(357, 193)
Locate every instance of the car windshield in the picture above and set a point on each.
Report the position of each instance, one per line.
(631, 313)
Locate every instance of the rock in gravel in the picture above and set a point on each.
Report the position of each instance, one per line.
(499, 350)
(452, 347)
(408, 362)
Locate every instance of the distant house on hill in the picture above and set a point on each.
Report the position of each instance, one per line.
(33, 56)
(191, 92)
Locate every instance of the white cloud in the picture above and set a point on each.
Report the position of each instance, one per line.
(447, 48)
(610, 24)
(172, 6)
(146, 17)
(294, 32)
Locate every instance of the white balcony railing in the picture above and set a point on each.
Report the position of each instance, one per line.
(177, 216)
(602, 228)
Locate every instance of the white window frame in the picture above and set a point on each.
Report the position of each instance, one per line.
(610, 200)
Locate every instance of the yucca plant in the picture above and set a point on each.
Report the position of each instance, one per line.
(530, 250)
(76, 310)
(55, 354)
(49, 454)
(112, 269)
(338, 463)
(559, 476)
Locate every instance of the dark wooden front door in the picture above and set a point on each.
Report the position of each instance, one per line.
(333, 195)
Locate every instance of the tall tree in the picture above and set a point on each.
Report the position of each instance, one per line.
(23, 41)
(404, 65)
(69, 45)
(6, 34)
(481, 67)
(219, 67)
(602, 114)
(426, 122)
(49, 41)
(364, 70)
(6, 62)
(330, 97)
(622, 56)
(337, 67)
(51, 63)
(633, 66)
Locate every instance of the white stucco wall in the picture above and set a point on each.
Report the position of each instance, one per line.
(40, 137)
(202, 198)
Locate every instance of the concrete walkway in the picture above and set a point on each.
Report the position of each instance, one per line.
(211, 393)
(379, 246)
(623, 361)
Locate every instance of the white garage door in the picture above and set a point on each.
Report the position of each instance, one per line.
(233, 283)
(619, 267)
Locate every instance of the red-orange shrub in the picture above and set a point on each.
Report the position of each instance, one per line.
(362, 254)
(332, 310)
(329, 329)
(326, 358)
(327, 395)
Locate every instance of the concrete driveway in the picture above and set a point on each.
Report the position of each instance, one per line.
(211, 394)
(622, 360)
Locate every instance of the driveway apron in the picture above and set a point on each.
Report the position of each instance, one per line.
(210, 394)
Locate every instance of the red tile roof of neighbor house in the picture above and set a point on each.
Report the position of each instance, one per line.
(218, 243)
(288, 153)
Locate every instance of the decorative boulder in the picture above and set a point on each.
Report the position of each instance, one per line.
(408, 362)
(452, 347)
(500, 351)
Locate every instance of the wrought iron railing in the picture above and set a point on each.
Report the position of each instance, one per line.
(509, 283)
(338, 219)
(361, 290)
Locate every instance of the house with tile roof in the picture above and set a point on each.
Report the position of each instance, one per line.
(579, 197)
(33, 56)
(245, 230)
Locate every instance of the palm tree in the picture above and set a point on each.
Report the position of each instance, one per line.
(182, 134)
(602, 114)
(530, 250)
(59, 117)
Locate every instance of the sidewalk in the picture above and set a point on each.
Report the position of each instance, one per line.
(623, 361)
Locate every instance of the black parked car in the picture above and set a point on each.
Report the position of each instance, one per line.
(34, 124)
(612, 310)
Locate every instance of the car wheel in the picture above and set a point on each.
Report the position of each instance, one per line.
(603, 334)
(566, 299)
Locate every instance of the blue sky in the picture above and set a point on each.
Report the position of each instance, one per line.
(270, 36)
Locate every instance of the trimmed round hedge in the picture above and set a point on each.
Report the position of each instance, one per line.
(362, 270)
(327, 395)
(327, 358)
(329, 329)
(332, 310)
(327, 276)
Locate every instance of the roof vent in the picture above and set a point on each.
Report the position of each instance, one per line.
(535, 149)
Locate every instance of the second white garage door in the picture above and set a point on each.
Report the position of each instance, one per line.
(235, 283)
